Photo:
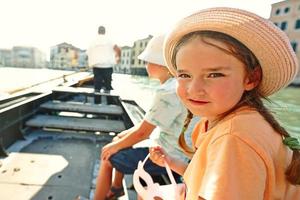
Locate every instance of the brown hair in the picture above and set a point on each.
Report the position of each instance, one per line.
(250, 98)
(189, 151)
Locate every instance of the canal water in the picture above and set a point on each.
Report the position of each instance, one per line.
(286, 103)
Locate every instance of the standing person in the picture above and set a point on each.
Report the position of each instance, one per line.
(102, 56)
(226, 62)
(166, 113)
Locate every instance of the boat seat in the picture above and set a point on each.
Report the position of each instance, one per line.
(83, 107)
(75, 123)
(82, 90)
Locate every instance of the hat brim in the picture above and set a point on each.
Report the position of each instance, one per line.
(155, 58)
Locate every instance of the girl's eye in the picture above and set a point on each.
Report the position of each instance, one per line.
(215, 75)
(183, 76)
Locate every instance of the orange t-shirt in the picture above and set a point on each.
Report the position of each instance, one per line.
(241, 158)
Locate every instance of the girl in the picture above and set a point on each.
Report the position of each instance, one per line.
(226, 61)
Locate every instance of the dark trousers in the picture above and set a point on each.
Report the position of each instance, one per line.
(102, 79)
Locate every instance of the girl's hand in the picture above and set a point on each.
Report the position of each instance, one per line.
(159, 156)
(109, 150)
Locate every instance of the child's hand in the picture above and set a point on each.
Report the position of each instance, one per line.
(109, 150)
(159, 156)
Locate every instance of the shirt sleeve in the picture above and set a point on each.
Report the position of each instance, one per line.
(164, 110)
(234, 171)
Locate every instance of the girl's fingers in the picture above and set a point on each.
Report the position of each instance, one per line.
(155, 148)
(156, 151)
(156, 155)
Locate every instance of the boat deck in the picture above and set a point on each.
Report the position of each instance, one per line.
(51, 149)
(51, 166)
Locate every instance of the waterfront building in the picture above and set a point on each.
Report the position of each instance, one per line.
(286, 16)
(67, 56)
(28, 57)
(130, 64)
(82, 59)
(137, 66)
(125, 63)
(5, 58)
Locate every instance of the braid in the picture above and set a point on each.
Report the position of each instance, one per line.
(253, 99)
(181, 140)
(292, 172)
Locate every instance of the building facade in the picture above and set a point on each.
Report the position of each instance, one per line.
(28, 57)
(67, 56)
(130, 64)
(286, 16)
(137, 66)
(82, 59)
(5, 57)
(125, 64)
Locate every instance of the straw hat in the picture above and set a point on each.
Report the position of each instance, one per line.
(269, 44)
(154, 51)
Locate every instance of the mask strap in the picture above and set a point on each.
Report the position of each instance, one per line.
(170, 174)
(153, 189)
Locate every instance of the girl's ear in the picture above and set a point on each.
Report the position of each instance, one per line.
(253, 79)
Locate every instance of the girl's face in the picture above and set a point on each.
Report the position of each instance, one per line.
(210, 81)
(157, 71)
(153, 70)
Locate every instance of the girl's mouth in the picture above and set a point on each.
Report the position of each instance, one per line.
(198, 102)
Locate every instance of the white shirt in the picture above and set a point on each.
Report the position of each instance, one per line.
(101, 53)
(168, 114)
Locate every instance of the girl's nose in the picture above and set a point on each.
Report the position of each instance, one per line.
(196, 87)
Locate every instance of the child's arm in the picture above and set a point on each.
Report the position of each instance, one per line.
(159, 156)
(122, 134)
(132, 136)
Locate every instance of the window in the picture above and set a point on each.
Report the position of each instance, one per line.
(132, 61)
(294, 45)
(141, 44)
(283, 25)
(276, 24)
(277, 12)
(297, 25)
(139, 62)
(287, 9)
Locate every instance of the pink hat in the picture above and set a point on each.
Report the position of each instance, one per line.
(268, 43)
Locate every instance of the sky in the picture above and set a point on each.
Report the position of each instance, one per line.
(46, 23)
